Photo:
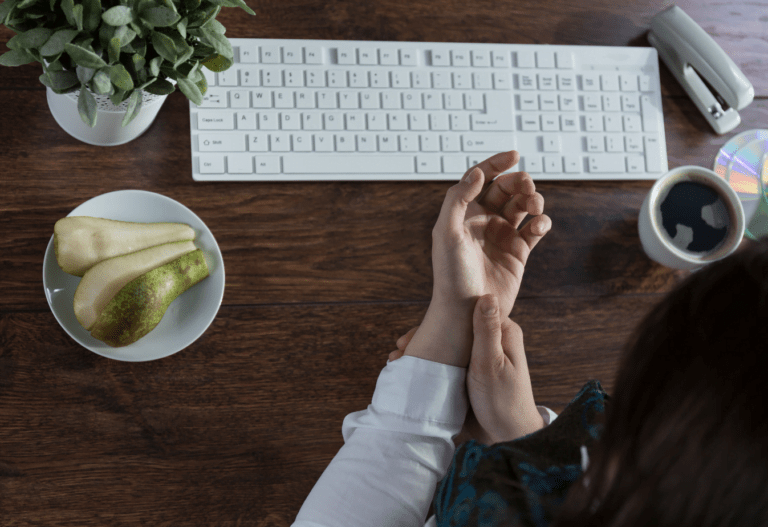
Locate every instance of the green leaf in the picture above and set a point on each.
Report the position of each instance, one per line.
(160, 87)
(84, 57)
(234, 3)
(181, 27)
(60, 81)
(26, 3)
(6, 7)
(86, 107)
(219, 42)
(120, 77)
(55, 44)
(77, 12)
(118, 97)
(16, 57)
(68, 7)
(85, 75)
(191, 5)
(32, 39)
(160, 16)
(101, 83)
(202, 84)
(119, 15)
(164, 46)
(191, 90)
(185, 56)
(113, 50)
(91, 15)
(134, 106)
(154, 66)
(217, 63)
(216, 26)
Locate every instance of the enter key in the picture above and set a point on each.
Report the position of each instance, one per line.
(498, 114)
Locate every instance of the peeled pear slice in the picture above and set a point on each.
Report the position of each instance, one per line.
(139, 306)
(80, 242)
(104, 280)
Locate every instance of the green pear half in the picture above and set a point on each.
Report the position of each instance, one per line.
(80, 242)
(139, 306)
(104, 280)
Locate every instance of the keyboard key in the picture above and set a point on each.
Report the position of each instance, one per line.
(249, 53)
(240, 163)
(648, 114)
(389, 57)
(346, 56)
(267, 164)
(315, 56)
(408, 57)
(229, 142)
(501, 58)
(455, 164)
(652, 155)
(368, 56)
(459, 58)
(573, 164)
(553, 164)
(607, 163)
(214, 121)
(211, 164)
(525, 59)
(481, 59)
(532, 164)
(428, 164)
(349, 164)
(545, 59)
(487, 143)
(564, 60)
(270, 55)
(293, 55)
(609, 82)
(440, 58)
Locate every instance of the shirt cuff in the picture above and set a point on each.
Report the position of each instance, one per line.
(546, 414)
(422, 396)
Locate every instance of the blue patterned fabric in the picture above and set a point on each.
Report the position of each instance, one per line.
(521, 482)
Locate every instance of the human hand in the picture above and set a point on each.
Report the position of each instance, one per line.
(502, 407)
(498, 381)
(477, 248)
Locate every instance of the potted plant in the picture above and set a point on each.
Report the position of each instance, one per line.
(108, 58)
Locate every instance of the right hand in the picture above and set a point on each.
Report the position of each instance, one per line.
(498, 382)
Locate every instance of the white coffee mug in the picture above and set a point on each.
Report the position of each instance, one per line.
(672, 251)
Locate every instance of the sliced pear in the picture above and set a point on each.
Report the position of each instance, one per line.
(104, 280)
(80, 242)
(139, 306)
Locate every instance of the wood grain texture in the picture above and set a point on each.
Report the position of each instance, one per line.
(322, 278)
(240, 425)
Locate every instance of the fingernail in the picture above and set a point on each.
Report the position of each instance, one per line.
(489, 308)
(470, 176)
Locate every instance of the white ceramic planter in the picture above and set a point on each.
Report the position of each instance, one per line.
(109, 130)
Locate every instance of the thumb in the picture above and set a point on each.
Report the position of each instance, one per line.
(487, 357)
(458, 198)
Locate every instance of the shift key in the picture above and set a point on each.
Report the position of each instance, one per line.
(221, 142)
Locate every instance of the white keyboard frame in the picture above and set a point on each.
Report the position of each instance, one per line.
(526, 61)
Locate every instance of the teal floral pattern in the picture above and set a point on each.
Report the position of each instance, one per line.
(521, 482)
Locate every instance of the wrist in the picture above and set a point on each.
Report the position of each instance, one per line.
(445, 335)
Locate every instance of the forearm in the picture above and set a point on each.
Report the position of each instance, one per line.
(445, 335)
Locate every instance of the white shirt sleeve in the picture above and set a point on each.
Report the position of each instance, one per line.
(396, 451)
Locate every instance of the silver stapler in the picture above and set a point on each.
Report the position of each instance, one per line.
(709, 76)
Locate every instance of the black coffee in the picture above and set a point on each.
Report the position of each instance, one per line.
(695, 217)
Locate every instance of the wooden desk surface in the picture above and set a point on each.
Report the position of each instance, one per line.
(322, 278)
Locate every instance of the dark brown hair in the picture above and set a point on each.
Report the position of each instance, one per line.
(686, 436)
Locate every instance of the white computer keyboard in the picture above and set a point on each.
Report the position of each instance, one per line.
(313, 110)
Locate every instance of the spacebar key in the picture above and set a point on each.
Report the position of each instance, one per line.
(360, 164)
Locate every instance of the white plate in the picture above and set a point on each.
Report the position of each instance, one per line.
(185, 319)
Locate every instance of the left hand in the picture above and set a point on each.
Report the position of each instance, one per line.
(477, 248)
